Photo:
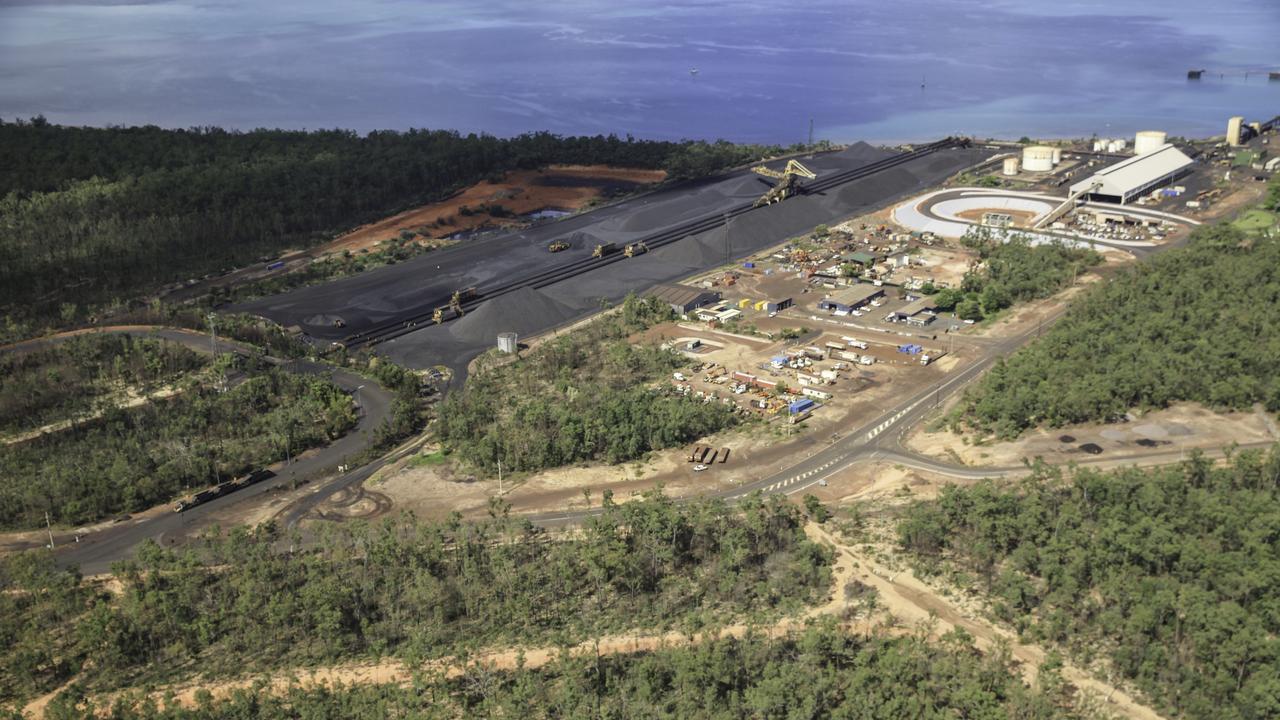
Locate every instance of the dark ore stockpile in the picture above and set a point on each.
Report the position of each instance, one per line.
(427, 281)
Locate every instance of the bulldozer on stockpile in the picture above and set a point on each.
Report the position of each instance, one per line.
(557, 246)
(787, 183)
(454, 306)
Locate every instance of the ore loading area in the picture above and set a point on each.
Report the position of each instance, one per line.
(515, 282)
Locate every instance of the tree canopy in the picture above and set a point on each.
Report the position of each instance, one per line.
(1196, 323)
(237, 604)
(92, 216)
(1172, 575)
(587, 395)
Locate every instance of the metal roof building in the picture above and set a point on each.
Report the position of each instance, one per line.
(917, 312)
(1131, 178)
(683, 298)
(851, 298)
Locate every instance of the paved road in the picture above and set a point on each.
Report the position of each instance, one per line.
(97, 550)
(861, 443)
(927, 213)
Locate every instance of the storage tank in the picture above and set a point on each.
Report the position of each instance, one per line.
(1011, 166)
(1235, 126)
(1037, 158)
(1057, 155)
(1149, 141)
(1099, 145)
(1116, 146)
(508, 342)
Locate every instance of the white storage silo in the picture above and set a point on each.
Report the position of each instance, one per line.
(1235, 128)
(1037, 158)
(508, 342)
(1149, 141)
(1011, 166)
(1099, 145)
(1057, 155)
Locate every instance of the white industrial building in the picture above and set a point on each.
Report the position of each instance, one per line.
(1136, 176)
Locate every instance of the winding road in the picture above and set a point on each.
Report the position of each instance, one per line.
(97, 550)
(873, 440)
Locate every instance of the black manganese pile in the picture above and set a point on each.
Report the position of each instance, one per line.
(367, 301)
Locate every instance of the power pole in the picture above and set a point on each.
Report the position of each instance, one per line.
(810, 132)
(49, 526)
(213, 347)
(499, 477)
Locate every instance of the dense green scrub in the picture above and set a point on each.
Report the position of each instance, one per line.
(409, 588)
(133, 458)
(90, 216)
(822, 672)
(1198, 323)
(1011, 271)
(73, 377)
(587, 395)
(1172, 575)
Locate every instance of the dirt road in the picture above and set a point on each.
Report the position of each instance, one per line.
(910, 603)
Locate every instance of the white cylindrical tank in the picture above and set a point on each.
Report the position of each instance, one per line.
(1116, 146)
(1057, 155)
(508, 342)
(1037, 158)
(1234, 127)
(1011, 166)
(1099, 145)
(1149, 141)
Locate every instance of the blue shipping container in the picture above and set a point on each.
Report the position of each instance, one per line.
(276, 265)
(800, 406)
(748, 265)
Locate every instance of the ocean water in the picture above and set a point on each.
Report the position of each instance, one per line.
(859, 69)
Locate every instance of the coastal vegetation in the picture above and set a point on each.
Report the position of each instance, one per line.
(1168, 575)
(1191, 324)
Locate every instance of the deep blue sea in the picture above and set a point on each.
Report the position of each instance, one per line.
(860, 69)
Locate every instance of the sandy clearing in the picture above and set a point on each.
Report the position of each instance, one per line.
(521, 192)
(1187, 426)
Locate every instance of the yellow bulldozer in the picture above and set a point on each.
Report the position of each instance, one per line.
(455, 304)
(787, 182)
(557, 246)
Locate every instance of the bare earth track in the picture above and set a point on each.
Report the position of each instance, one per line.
(911, 605)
